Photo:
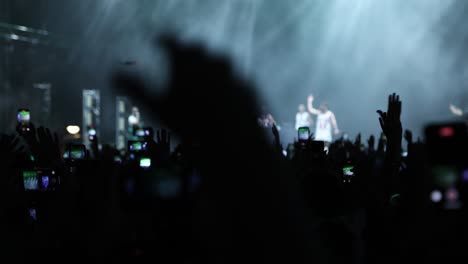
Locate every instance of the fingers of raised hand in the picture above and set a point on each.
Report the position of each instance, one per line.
(382, 114)
(382, 123)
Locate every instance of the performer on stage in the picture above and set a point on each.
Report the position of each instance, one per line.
(303, 118)
(134, 123)
(325, 121)
(134, 118)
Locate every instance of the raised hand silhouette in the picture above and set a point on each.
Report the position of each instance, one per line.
(408, 137)
(9, 145)
(44, 145)
(207, 105)
(277, 142)
(392, 128)
(357, 141)
(163, 143)
(382, 143)
(9, 159)
(390, 120)
(371, 143)
(188, 108)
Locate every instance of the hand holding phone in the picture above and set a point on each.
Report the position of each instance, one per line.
(136, 145)
(23, 118)
(303, 134)
(40, 180)
(139, 132)
(75, 152)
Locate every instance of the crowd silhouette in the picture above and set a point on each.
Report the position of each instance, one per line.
(226, 193)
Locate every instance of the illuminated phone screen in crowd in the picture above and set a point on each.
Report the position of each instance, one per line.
(30, 180)
(145, 162)
(23, 116)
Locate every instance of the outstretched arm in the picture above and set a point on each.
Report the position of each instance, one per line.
(310, 120)
(271, 120)
(391, 127)
(310, 106)
(334, 124)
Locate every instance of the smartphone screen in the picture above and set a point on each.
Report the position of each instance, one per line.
(40, 180)
(139, 132)
(23, 116)
(48, 179)
(145, 162)
(303, 133)
(30, 180)
(348, 172)
(75, 152)
(136, 146)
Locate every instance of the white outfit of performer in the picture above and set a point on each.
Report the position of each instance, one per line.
(323, 131)
(133, 120)
(326, 121)
(302, 120)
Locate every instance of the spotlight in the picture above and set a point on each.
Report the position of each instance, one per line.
(73, 130)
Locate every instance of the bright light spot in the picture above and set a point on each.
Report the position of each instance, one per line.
(436, 196)
(145, 162)
(347, 171)
(22, 28)
(92, 132)
(14, 36)
(73, 130)
(446, 132)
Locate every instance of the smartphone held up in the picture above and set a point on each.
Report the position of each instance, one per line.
(303, 134)
(40, 180)
(23, 118)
